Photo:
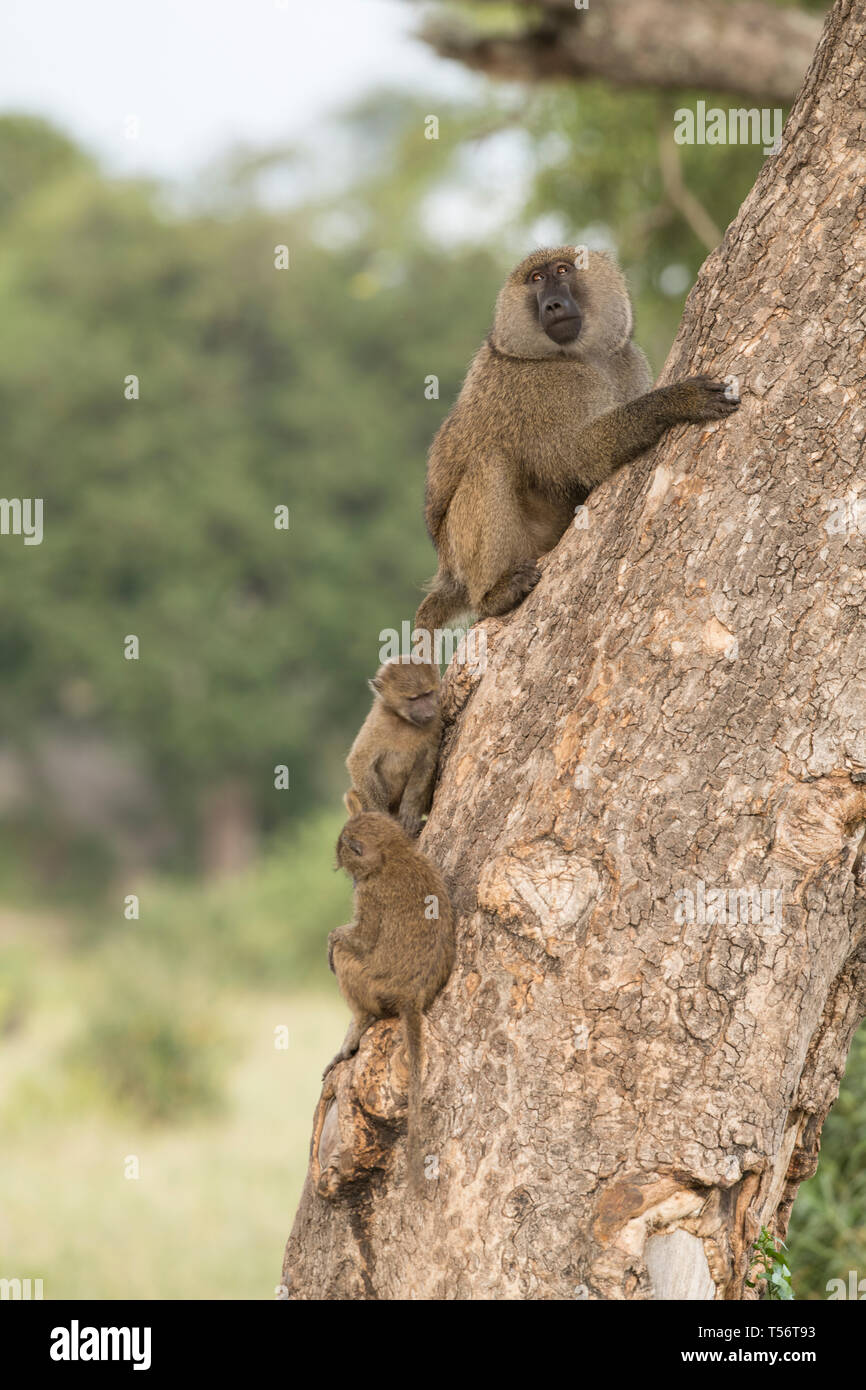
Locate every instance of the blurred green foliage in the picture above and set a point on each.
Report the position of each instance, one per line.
(258, 388)
(151, 1042)
(145, 1050)
(265, 926)
(827, 1237)
(16, 987)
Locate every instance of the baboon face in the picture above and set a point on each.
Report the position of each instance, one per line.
(553, 284)
(365, 841)
(409, 688)
(563, 301)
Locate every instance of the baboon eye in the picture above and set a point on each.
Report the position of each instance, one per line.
(536, 275)
(355, 847)
(563, 269)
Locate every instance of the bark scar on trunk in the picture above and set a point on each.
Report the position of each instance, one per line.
(358, 1114)
(815, 820)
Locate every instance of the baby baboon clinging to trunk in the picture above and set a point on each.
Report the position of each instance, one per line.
(396, 954)
(392, 762)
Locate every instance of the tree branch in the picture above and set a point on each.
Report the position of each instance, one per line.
(750, 49)
(686, 204)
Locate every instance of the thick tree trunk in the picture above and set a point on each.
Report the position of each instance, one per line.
(750, 48)
(629, 1070)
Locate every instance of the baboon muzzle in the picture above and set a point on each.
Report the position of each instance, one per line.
(558, 312)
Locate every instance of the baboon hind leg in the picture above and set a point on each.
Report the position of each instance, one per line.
(498, 542)
(357, 1028)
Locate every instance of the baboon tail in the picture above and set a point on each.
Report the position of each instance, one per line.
(447, 599)
(415, 1052)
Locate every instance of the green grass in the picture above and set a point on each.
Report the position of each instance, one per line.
(209, 1215)
(155, 1039)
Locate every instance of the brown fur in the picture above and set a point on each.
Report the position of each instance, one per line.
(537, 425)
(392, 959)
(392, 762)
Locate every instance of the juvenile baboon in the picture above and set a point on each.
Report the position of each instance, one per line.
(392, 762)
(555, 399)
(396, 954)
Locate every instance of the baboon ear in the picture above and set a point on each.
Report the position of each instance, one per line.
(353, 802)
(375, 685)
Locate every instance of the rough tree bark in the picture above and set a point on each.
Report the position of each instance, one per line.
(616, 1098)
(749, 48)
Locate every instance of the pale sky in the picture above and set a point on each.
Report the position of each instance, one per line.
(202, 75)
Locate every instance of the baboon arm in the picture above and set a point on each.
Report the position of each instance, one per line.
(418, 792)
(349, 939)
(618, 436)
(372, 790)
(361, 939)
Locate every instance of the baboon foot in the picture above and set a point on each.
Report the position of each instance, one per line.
(510, 590)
